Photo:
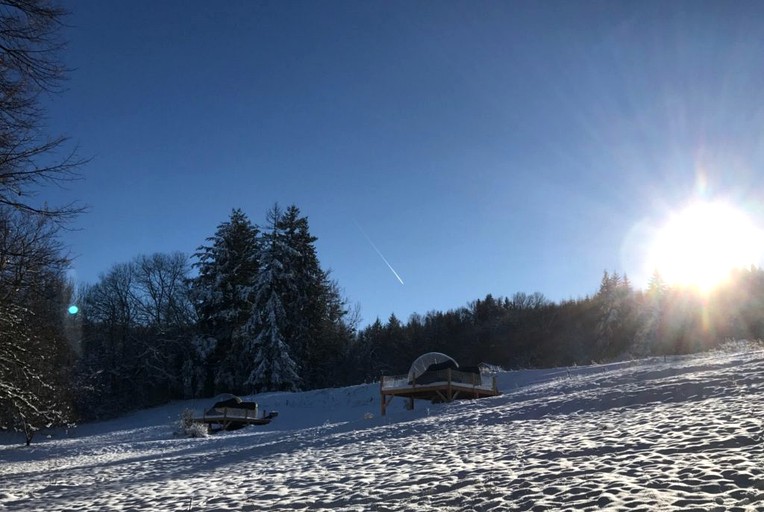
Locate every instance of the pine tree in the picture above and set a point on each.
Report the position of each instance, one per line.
(651, 316)
(616, 325)
(318, 331)
(224, 295)
(366, 352)
(299, 257)
(267, 347)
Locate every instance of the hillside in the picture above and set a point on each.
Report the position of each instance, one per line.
(683, 433)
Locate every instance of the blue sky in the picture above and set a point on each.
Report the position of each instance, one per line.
(483, 147)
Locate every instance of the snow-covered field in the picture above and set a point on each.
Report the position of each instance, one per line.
(679, 434)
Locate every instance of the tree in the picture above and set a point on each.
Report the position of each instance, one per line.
(34, 353)
(31, 339)
(137, 323)
(326, 360)
(223, 295)
(163, 280)
(651, 313)
(267, 347)
(165, 316)
(109, 344)
(365, 353)
(617, 323)
(29, 66)
(316, 331)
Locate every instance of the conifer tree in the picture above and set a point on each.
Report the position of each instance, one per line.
(224, 296)
(616, 326)
(316, 330)
(299, 257)
(267, 348)
(650, 315)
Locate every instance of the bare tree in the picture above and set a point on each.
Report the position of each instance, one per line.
(137, 323)
(34, 353)
(30, 45)
(164, 289)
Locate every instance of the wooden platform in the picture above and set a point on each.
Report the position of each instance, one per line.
(448, 385)
(228, 418)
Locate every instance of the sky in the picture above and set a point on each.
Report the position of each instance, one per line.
(440, 150)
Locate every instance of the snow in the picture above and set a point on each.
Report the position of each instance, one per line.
(684, 433)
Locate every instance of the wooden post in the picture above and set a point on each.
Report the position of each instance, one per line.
(450, 396)
(382, 396)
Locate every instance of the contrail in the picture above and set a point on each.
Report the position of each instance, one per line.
(379, 252)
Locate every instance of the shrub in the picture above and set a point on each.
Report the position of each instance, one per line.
(191, 428)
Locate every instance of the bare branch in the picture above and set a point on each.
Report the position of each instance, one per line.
(30, 45)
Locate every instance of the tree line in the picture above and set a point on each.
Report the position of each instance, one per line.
(262, 315)
(529, 331)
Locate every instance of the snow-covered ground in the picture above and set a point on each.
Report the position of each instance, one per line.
(678, 434)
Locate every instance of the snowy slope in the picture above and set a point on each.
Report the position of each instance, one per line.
(681, 434)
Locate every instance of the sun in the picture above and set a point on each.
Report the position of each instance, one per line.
(700, 245)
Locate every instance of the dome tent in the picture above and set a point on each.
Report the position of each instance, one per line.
(430, 361)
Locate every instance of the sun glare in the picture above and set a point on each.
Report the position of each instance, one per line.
(700, 245)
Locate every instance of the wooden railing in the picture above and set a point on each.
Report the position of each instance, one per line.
(227, 413)
(448, 375)
(441, 386)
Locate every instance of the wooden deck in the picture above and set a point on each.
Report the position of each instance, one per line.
(443, 386)
(229, 418)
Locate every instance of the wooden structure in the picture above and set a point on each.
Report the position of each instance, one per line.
(436, 386)
(232, 418)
